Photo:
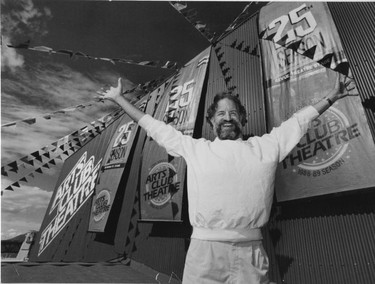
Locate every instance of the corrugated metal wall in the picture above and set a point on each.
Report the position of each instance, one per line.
(330, 239)
(74, 242)
(235, 65)
(355, 25)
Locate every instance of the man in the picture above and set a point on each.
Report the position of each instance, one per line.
(230, 184)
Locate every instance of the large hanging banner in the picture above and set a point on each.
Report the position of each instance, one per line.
(163, 176)
(302, 57)
(111, 172)
(67, 211)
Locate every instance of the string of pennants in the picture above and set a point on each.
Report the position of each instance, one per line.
(144, 87)
(191, 15)
(58, 150)
(243, 16)
(326, 61)
(75, 54)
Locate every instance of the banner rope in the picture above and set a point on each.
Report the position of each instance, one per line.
(65, 146)
(72, 54)
(191, 16)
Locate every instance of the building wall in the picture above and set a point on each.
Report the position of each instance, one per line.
(330, 239)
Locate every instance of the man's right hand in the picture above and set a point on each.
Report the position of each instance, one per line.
(113, 93)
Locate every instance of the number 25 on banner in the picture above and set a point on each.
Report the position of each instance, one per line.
(294, 18)
(183, 94)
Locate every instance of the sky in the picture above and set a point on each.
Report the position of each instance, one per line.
(36, 83)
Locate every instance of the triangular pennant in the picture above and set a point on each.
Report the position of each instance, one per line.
(47, 155)
(39, 170)
(228, 79)
(32, 175)
(282, 41)
(310, 52)
(271, 36)
(262, 33)
(52, 162)
(46, 166)
(343, 68)
(247, 49)
(3, 172)
(233, 44)
(255, 51)
(225, 71)
(16, 184)
(239, 47)
(9, 188)
(13, 170)
(59, 157)
(23, 179)
(295, 45)
(66, 153)
(326, 60)
(29, 120)
(13, 165)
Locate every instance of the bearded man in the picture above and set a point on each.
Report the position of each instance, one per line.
(230, 184)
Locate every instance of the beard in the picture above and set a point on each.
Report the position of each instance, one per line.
(232, 132)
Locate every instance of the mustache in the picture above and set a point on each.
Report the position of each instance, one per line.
(231, 121)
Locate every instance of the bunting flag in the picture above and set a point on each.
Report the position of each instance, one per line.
(252, 50)
(143, 87)
(75, 54)
(337, 153)
(58, 150)
(50, 115)
(191, 16)
(239, 20)
(300, 40)
(225, 70)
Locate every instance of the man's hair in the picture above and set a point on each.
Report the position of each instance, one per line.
(225, 95)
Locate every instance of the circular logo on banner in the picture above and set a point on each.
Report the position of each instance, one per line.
(161, 183)
(101, 205)
(324, 148)
(325, 136)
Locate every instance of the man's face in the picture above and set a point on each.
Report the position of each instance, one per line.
(226, 121)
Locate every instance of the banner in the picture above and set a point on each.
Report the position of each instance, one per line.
(302, 57)
(68, 210)
(111, 172)
(163, 176)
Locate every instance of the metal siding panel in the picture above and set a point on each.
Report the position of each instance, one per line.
(355, 24)
(243, 71)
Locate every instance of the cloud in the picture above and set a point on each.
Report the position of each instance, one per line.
(22, 210)
(42, 89)
(20, 20)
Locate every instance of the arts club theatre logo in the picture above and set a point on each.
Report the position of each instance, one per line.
(102, 205)
(161, 183)
(325, 147)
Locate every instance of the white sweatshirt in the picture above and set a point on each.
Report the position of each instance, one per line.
(230, 183)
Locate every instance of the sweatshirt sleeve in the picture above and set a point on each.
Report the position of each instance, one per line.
(165, 135)
(290, 132)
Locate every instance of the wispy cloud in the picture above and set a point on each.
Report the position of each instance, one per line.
(33, 85)
(20, 20)
(22, 210)
(42, 89)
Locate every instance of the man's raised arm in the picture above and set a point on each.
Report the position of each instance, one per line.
(115, 94)
(339, 91)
